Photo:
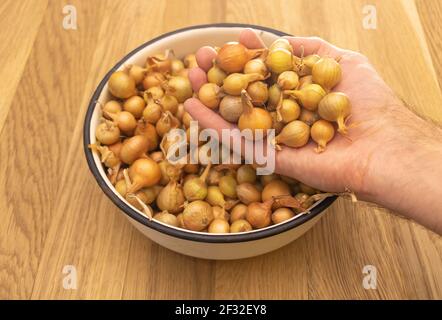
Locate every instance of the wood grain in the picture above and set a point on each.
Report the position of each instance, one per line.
(432, 11)
(16, 45)
(53, 213)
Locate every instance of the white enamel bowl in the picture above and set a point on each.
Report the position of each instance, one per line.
(196, 244)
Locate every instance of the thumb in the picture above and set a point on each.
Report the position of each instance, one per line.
(197, 78)
(314, 45)
(206, 117)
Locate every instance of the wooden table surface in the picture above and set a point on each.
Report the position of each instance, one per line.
(53, 214)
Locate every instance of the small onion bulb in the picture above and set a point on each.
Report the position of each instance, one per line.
(322, 132)
(169, 103)
(190, 61)
(238, 212)
(219, 226)
(309, 117)
(281, 43)
(107, 133)
(281, 215)
(288, 111)
(254, 119)
(335, 107)
(153, 79)
(197, 215)
(121, 85)
(248, 193)
(176, 66)
(309, 96)
(157, 92)
(148, 130)
(233, 56)
(196, 188)
(137, 73)
(111, 106)
(135, 105)
(125, 121)
(152, 112)
(167, 218)
(143, 173)
(275, 94)
(171, 197)
(134, 148)
(259, 214)
(258, 92)
(210, 95)
(288, 80)
(241, 225)
(180, 88)
(231, 108)
(274, 189)
(279, 60)
(256, 66)
(236, 82)
(295, 134)
(326, 72)
(216, 75)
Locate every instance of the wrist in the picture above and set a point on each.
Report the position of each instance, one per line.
(406, 176)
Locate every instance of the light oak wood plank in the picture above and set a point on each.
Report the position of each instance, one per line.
(52, 82)
(282, 274)
(430, 13)
(19, 22)
(95, 238)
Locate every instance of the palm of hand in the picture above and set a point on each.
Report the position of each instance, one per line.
(347, 162)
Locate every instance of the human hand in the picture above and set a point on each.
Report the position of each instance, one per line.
(383, 129)
(344, 164)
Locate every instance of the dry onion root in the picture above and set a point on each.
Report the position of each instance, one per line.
(257, 89)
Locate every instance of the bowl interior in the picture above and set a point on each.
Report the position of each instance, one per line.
(182, 43)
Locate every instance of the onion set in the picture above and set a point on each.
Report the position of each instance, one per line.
(336, 107)
(254, 118)
(233, 56)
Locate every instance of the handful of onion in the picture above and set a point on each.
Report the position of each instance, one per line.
(258, 89)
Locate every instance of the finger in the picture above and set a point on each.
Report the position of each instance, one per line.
(206, 117)
(285, 165)
(314, 45)
(314, 169)
(197, 78)
(251, 39)
(205, 56)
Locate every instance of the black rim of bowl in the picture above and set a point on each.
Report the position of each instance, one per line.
(209, 238)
